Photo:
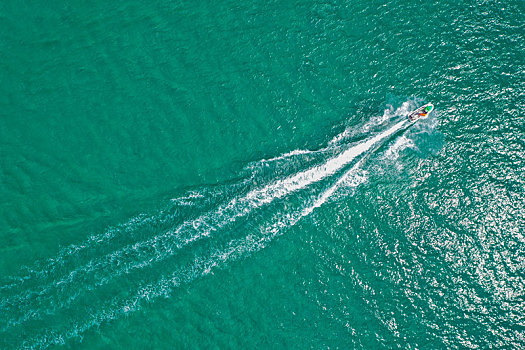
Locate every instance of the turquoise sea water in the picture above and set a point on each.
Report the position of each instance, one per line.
(216, 174)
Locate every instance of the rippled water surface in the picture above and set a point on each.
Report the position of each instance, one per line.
(216, 174)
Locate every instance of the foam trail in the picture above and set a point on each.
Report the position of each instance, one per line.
(200, 267)
(94, 240)
(235, 249)
(401, 143)
(187, 200)
(295, 182)
(297, 152)
(336, 142)
(164, 248)
(75, 249)
(113, 232)
(254, 199)
(388, 114)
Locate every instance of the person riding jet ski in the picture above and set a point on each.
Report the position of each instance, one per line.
(421, 113)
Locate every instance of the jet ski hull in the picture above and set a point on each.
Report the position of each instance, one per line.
(421, 113)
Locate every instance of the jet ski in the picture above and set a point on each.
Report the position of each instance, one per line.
(421, 113)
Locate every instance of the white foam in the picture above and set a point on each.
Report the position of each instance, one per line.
(305, 178)
(126, 228)
(188, 199)
(161, 247)
(238, 207)
(399, 145)
(373, 122)
(288, 155)
(236, 248)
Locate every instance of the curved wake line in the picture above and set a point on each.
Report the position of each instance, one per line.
(132, 225)
(164, 248)
(164, 287)
(388, 114)
(74, 249)
(235, 249)
(113, 232)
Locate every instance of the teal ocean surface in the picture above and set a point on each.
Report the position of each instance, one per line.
(242, 175)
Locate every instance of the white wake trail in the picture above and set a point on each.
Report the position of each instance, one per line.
(113, 232)
(236, 248)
